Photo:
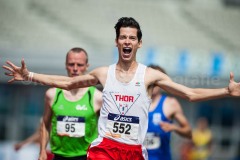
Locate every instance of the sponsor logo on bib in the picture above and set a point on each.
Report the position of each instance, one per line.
(124, 102)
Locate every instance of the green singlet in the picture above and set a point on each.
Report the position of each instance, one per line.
(74, 124)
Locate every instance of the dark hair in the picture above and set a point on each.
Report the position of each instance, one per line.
(157, 67)
(128, 22)
(77, 50)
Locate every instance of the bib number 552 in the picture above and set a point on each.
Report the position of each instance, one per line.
(121, 128)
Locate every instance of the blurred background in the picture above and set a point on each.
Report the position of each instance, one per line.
(196, 41)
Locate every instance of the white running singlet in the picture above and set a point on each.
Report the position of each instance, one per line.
(124, 114)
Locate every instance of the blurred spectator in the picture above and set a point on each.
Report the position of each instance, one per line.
(185, 150)
(202, 140)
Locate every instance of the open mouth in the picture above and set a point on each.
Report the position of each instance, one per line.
(127, 50)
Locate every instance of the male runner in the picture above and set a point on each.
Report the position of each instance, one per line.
(127, 94)
(162, 112)
(70, 116)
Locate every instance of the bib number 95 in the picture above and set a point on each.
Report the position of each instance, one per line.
(70, 127)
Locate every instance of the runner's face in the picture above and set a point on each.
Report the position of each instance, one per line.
(76, 64)
(128, 43)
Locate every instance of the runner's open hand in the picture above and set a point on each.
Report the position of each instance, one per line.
(234, 87)
(17, 73)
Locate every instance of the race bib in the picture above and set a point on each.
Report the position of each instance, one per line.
(120, 126)
(152, 141)
(70, 126)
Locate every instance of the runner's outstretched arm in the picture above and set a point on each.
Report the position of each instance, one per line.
(193, 94)
(68, 83)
